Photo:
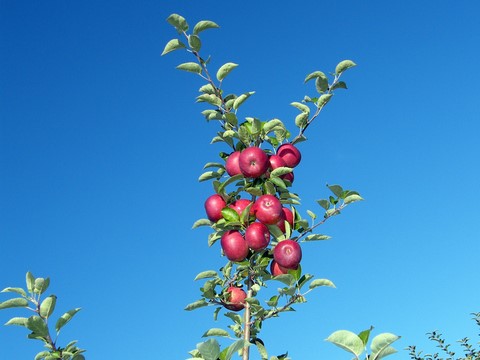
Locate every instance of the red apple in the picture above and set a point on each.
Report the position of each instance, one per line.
(276, 161)
(288, 254)
(236, 298)
(257, 236)
(240, 205)
(253, 162)
(267, 209)
(290, 154)
(231, 165)
(234, 245)
(286, 215)
(213, 206)
(290, 177)
(276, 269)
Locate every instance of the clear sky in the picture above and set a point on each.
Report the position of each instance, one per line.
(101, 145)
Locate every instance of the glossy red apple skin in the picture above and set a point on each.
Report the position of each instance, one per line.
(253, 162)
(236, 298)
(232, 165)
(286, 215)
(267, 209)
(288, 254)
(213, 207)
(290, 154)
(234, 245)
(276, 269)
(240, 205)
(257, 236)
(290, 177)
(276, 161)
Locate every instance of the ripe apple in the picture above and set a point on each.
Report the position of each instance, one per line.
(257, 236)
(267, 209)
(213, 206)
(231, 165)
(276, 161)
(234, 245)
(253, 162)
(290, 177)
(288, 254)
(276, 269)
(240, 205)
(236, 298)
(290, 154)
(286, 215)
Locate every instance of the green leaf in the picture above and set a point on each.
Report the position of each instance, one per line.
(216, 332)
(37, 326)
(287, 279)
(321, 83)
(212, 100)
(230, 215)
(324, 204)
(352, 198)
(302, 107)
(301, 119)
(208, 175)
(315, 237)
(210, 349)
(206, 274)
(344, 65)
(213, 164)
(201, 222)
(65, 318)
(229, 181)
(381, 345)
(196, 305)
(172, 45)
(321, 282)
(48, 306)
(365, 334)
(30, 279)
(20, 321)
(348, 341)
(41, 285)
(339, 85)
(273, 125)
(194, 42)
(282, 170)
(231, 119)
(224, 70)
(311, 214)
(190, 67)
(16, 290)
(42, 355)
(236, 346)
(261, 350)
(204, 25)
(314, 75)
(207, 89)
(78, 357)
(12, 303)
(323, 100)
(241, 99)
(336, 189)
(178, 22)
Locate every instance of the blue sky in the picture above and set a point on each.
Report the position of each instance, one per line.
(101, 145)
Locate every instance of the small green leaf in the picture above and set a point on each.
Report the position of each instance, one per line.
(323, 100)
(241, 99)
(206, 274)
(231, 119)
(20, 321)
(348, 341)
(190, 67)
(30, 279)
(41, 285)
(381, 345)
(236, 346)
(321, 84)
(16, 290)
(216, 332)
(196, 305)
(194, 42)
(336, 189)
(321, 282)
(65, 318)
(212, 100)
(229, 181)
(282, 170)
(301, 120)
(365, 334)
(47, 306)
(315, 237)
(224, 70)
(178, 22)
(302, 107)
(42, 355)
(314, 75)
(230, 215)
(324, 204)
(262, 350)
(208, 175)
(204, 25)
(172, 45)
(37, 326)
(210, 349)
(352, 198)
(344, 65)
(12, 303)
(201, 222)
(207, 89)
(339, 85)
(311, 214)
(287, 279)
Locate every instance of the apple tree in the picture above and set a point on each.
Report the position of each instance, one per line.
(253, 211)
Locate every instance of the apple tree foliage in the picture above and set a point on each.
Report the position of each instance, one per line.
(42, 308)
(253, 273)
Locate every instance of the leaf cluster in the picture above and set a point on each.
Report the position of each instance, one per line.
(42, 308)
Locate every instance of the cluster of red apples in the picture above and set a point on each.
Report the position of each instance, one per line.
(266, 210)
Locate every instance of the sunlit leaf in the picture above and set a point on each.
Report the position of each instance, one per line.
(194, 42)
(321, 84)
(15, 290)
(314, 75)
(19, 321)
(210, 349)
(352, 198)
(201, 222)
(65, 318)
(225, 69)
(178, 22)
(241, 99)
(196, 305)
(302, 107)
(37, 326)
(321, 282)
(172, 45)
(344, 65)
(324, 99)
(316, 237)
(348, 341)
(12, 303)
(216, 332)
(365, 334)
(381, 345)
(204, 25)
(47, 306)
(190, 67)
(206, 274)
